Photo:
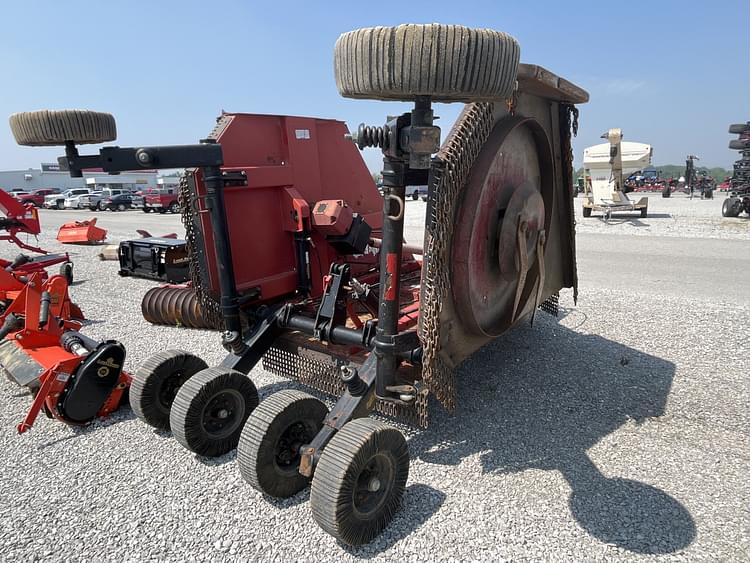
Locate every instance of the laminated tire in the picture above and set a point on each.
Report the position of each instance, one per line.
(449, 63)
(210, 410)
(268, 453)
(359, 481)
(732, 207)
(57, 127)
(156, 382)
(739, 128)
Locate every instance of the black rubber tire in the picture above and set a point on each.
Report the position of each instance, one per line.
(587, 212)
(149, 399)
(174, 207)
(271, 422)
(201, 391)
(666, 192)
(66, 271)
(343, 462)
(739, 128)
(708, 194)
(732, 207)
(146, 209)
(739, 144)
(644, 212)
(450, 63)
(56, 127)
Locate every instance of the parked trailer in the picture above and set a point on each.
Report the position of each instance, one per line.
(605, 165)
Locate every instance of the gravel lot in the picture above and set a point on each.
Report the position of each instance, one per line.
(619, 431)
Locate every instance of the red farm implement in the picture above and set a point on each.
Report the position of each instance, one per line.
(71, 377)
(301, 260)
(81, 232)
(18, 218)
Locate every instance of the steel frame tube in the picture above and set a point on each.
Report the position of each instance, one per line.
(230, 309)
(337, 334)
(394, 174)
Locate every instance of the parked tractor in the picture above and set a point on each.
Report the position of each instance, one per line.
(301, 260)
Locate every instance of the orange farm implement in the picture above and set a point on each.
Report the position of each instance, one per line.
(71, 377)
(81, 232)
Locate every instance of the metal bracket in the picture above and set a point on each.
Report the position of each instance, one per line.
(329, 313)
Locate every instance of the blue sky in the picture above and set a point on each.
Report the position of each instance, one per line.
(673, 74)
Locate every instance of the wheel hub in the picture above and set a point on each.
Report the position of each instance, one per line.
(289, 444)
(373, 484)
(221, 414)
(169, 389)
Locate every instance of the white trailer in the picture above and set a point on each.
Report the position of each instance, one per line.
(605, 168)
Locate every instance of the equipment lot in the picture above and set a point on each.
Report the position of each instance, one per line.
(620, 429)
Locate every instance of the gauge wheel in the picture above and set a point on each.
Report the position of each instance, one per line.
(66, 271)
(731, 207)
(58, 127)
(156, 382)
(210, 410)
(269, 450)
(359, 481)
(449, 63)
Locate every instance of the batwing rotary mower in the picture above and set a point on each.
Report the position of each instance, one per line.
(302, 261)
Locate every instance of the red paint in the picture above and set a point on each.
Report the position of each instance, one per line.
(287, 172)
(391, 268)
(22, 218)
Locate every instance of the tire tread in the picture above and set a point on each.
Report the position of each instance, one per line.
(56, 127)
(446, 62)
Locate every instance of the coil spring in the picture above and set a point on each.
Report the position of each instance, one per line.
(372, 136)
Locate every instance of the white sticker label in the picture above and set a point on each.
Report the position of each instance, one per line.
(302, 133)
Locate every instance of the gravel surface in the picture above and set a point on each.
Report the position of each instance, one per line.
(619, 431)
(678, 216)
